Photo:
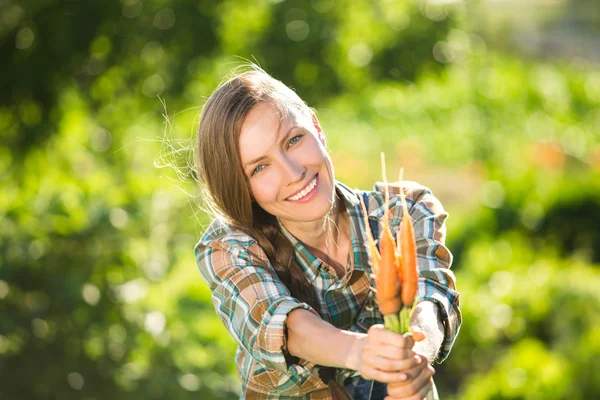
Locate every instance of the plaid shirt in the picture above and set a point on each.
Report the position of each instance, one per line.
(254, 304)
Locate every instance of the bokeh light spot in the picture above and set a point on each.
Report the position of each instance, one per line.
(189, 382)
(297, 30)
(36, 249)
(116, 351)
(501, 315)
(30, 113)
(11, 15)
(532, 214)
(477, 45)
(164, 19)
(397, 19)
(516, 378)
(117, 332)
(76, 381)
(119, 218)
(40, 328)
(100, 47)
(24, 39)
(360, 54)
(132, 8)
(153, 86)
(4, 289)
(4, 344)
(100, 140)
(574, 141)
(501, 283)
(492, 194)
(155, 322)
(155, 269)
(500, 253)
(132, 291)
(539, 273)
(443, 52)
(152, 53)
(435, 12)
(322, 6)
(592, 87)
(90, 293)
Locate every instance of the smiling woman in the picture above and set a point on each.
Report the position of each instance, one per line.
(286, 256)
(286, 164)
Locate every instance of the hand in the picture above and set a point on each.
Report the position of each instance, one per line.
(417, 385)
(387, 357)
(425, 319)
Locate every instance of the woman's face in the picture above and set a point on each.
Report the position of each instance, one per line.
(287, 166)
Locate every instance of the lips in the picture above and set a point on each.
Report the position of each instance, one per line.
(305, 191)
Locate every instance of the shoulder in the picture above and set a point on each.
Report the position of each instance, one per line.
(422, 204)
(413, 191)
(222, 250)
(219, 234)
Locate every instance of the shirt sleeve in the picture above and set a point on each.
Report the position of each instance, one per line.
(254, 306)
(437, 282)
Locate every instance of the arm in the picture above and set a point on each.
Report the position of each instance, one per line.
(268, 323)
(254, 307)
(380, 354)
(311, 338)
(438, 313)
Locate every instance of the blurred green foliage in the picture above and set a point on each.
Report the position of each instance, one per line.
(99, 292)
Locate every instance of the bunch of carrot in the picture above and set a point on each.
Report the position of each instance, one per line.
(394, 265)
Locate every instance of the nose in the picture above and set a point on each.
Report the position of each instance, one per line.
(294, 172)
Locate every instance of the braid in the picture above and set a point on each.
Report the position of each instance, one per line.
(281, 254)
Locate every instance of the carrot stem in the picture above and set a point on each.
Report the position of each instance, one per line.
(391, 322)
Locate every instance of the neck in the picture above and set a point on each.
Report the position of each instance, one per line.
(325, 233)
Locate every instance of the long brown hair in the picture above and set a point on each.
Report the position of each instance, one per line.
(219, 167)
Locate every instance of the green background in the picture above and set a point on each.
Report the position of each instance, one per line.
(494, 106)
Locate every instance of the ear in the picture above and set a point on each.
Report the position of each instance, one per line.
(317, 126)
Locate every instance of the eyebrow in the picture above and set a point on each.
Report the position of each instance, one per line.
(283, 139)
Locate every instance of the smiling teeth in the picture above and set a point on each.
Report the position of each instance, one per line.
(303, 193)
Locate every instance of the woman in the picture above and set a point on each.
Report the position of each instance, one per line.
(287, 263)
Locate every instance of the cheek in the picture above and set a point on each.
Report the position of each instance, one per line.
(313, 152)
(264, 189)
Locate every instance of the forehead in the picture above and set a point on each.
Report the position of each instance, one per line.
(262, 128)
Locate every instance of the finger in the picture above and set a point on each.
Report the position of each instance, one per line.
(417, 335)
(392, 365)
(387, 351)
(419, 396)
(370, 373)
(395, 339)
(412, 387)
(414, 372)
(382, 335)
(422, 394)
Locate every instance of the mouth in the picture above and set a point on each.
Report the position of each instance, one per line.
(307, 192)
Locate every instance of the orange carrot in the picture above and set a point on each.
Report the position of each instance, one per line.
(398, 258)
(388, 293)
(373, 252)
(408, 250)
(387, 279)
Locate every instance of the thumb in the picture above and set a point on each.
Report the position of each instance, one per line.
(418, 335)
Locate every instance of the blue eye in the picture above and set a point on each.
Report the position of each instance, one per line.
(294, 140)
(257, 169)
